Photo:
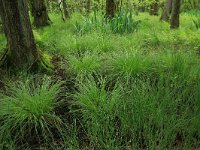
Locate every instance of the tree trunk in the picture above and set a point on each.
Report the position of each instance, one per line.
(110, 8)
(60, 3)
(88, 6)
(154, 8)
(167, 11)
(141, 6)
(1, 25)
(65, 9)
(39, 12)
(80, 6)
(174, 22)
(21, 47)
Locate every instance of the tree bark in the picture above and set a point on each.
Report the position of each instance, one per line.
(1, 25)
(110, 8)
(174, 22)
(141, 6)
(81, 6)
(88, 6)
(154, 8)
(65, 9)
(167, 11)
(39, 12)
(21, 47)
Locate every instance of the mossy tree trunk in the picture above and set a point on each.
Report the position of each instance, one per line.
(21, 47)
(174, 22)
(167, 11)
(110, 8)
(39, 12)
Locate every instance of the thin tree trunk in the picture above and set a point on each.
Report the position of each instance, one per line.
(1, 24)
(167, 11)
(22, 52)
(102, 6)
(39, 12)
(174, 22)
(141, 7)
(60, 5)
(88, 6)
(154, 8)
(65, 9)
(110, 8)
(80, 6)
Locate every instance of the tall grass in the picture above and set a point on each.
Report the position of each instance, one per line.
(85, 64)
(27, 115)
(142, 113)
(99, 111)
(152, 35)
(123, 22)
(145, 101)
(196, 21)
(130, 91)
(158, 116)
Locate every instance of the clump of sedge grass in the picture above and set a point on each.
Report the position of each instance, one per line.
(99, 112)
(86, 64)
(27, 114)
(123, 22)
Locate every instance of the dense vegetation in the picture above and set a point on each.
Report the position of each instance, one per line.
(128, 81)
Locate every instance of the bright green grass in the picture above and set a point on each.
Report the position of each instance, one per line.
(98, 109)
(27, 114)
(140, 114)
(151, 35)
(89, 63)
(133, 91)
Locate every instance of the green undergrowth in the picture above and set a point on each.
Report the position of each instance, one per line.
(151, 35)
(122, 23)
(140, 114)
(27, 114)
(139, 101)
(130, 91)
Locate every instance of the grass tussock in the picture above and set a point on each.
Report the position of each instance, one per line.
(28, 110)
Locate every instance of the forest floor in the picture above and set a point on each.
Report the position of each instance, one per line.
(107, 90)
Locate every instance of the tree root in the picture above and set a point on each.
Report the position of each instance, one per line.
(4, 59)
(42, 64)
